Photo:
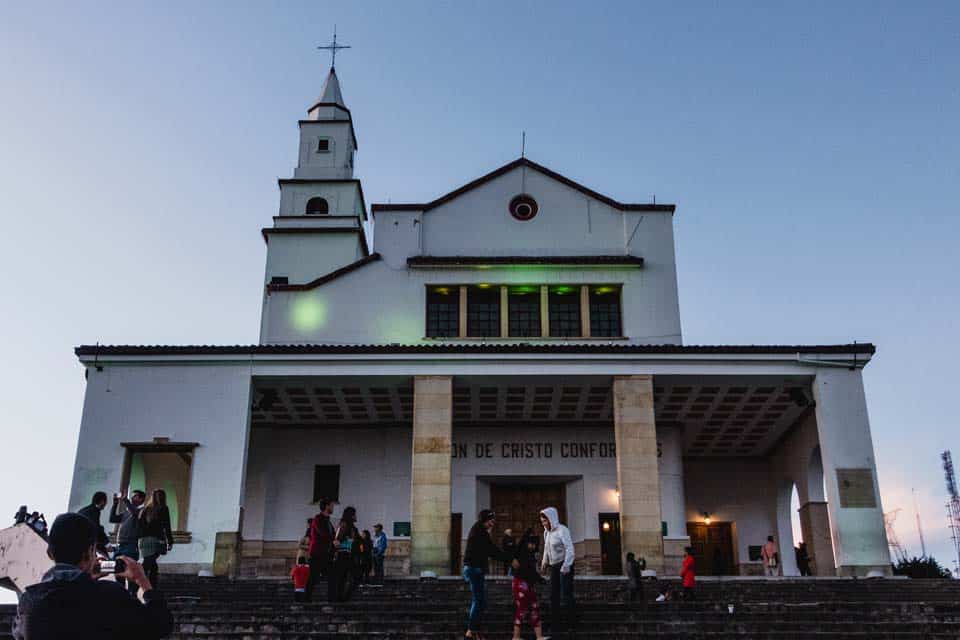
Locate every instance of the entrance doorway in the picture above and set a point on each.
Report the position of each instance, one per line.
(610, 562)
(712, 548)
(456, 532)
(518, 505)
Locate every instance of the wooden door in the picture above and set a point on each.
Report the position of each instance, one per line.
(456, 535)
(518, 506)
(611, 563)
(712, 548)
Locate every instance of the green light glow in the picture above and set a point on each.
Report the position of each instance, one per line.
(603, 290)
(562, 290)
(484, 285)
(444, 291)
(523, 290)
(309, 313)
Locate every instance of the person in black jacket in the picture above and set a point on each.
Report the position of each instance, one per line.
(156, 537)
(70, 604)
(476, 563)
(92, 513)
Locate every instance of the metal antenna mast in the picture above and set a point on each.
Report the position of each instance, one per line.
(896, 549)
(953, 507)
(916, 511)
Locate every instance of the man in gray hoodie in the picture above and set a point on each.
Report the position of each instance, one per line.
(558, 556)
(129, 532)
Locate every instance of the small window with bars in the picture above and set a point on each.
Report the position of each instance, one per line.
(443, 312)
(483, 311)
(605, 320)
(523, 311)
(564, 308)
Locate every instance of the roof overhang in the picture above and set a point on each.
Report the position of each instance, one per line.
(484, 262)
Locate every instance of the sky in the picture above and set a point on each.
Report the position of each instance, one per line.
(812, 149)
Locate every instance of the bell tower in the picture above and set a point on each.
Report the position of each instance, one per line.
(319, 227)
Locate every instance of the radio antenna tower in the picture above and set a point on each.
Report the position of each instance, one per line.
(953, 507)
(896, 549)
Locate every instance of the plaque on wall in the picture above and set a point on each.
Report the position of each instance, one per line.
(856, 489)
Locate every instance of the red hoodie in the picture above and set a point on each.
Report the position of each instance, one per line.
(300, 575)
(688, 571)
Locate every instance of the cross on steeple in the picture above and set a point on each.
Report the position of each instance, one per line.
(333, 48)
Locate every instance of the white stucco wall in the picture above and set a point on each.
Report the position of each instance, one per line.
(208, 405)
(301, 257)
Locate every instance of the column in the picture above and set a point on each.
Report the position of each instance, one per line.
(815, 525)
(849, 468)
(637, 473)
(430, 479)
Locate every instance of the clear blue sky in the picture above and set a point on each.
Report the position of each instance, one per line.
(813, 150)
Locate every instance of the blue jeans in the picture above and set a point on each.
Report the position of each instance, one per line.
(132, 551)
(478, 590)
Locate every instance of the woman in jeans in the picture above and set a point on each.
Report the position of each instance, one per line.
(343, 577)
(156, 537)
(476, 561)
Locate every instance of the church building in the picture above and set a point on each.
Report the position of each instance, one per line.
(512, 344)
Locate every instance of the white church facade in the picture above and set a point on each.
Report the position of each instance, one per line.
(513, 344)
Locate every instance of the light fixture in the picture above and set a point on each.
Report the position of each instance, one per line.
(606, 526)
(706, 518)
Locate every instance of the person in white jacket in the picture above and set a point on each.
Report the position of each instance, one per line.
(558, 556)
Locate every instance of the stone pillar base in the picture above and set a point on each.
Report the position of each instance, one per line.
(815, 526)
(673, 554)
(226, 560)
(861, 571)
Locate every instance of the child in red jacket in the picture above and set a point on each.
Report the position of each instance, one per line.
(689, 574)
(301, 576)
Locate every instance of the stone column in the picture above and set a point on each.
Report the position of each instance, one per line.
(637, 473)
(430, 479)
(815, 525)
(849, 469)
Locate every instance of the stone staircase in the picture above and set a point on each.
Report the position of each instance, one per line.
(405, 609)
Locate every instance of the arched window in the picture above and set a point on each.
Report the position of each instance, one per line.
(317, 206)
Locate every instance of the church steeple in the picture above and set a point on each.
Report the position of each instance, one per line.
(331, 93)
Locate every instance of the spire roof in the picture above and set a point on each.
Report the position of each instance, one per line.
(331, 93)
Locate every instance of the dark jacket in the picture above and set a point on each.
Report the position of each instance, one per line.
(321, 538)
(91, 513)
(129, 531)
(70, 605)
(634, 573)
(528, 563)
(158, 526)
(480, 548)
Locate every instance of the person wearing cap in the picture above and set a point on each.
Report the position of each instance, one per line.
(476, 563)
(71, 603)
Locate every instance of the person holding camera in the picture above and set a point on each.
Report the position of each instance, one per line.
(128, 534)
(71, 603)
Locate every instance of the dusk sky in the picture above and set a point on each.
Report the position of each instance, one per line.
(812, 149)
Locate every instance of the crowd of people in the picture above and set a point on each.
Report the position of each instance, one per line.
(34, 520)
(340, 554)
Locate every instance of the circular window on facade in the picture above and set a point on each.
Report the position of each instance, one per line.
(523, 207)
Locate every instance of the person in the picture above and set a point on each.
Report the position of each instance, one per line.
(92, 513)
(301, 577)
(688, 574)
(320, 547)
(156, 536)
(343, 577)
(366, 556)
(558, 556)
(509, 546)
(20, 517)
(69, 603)
(39, 523)
(476, 562)
(525, 579)
(803, 559)
(128, 535)
(770, 555)
(635, 576)
(379, 551)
